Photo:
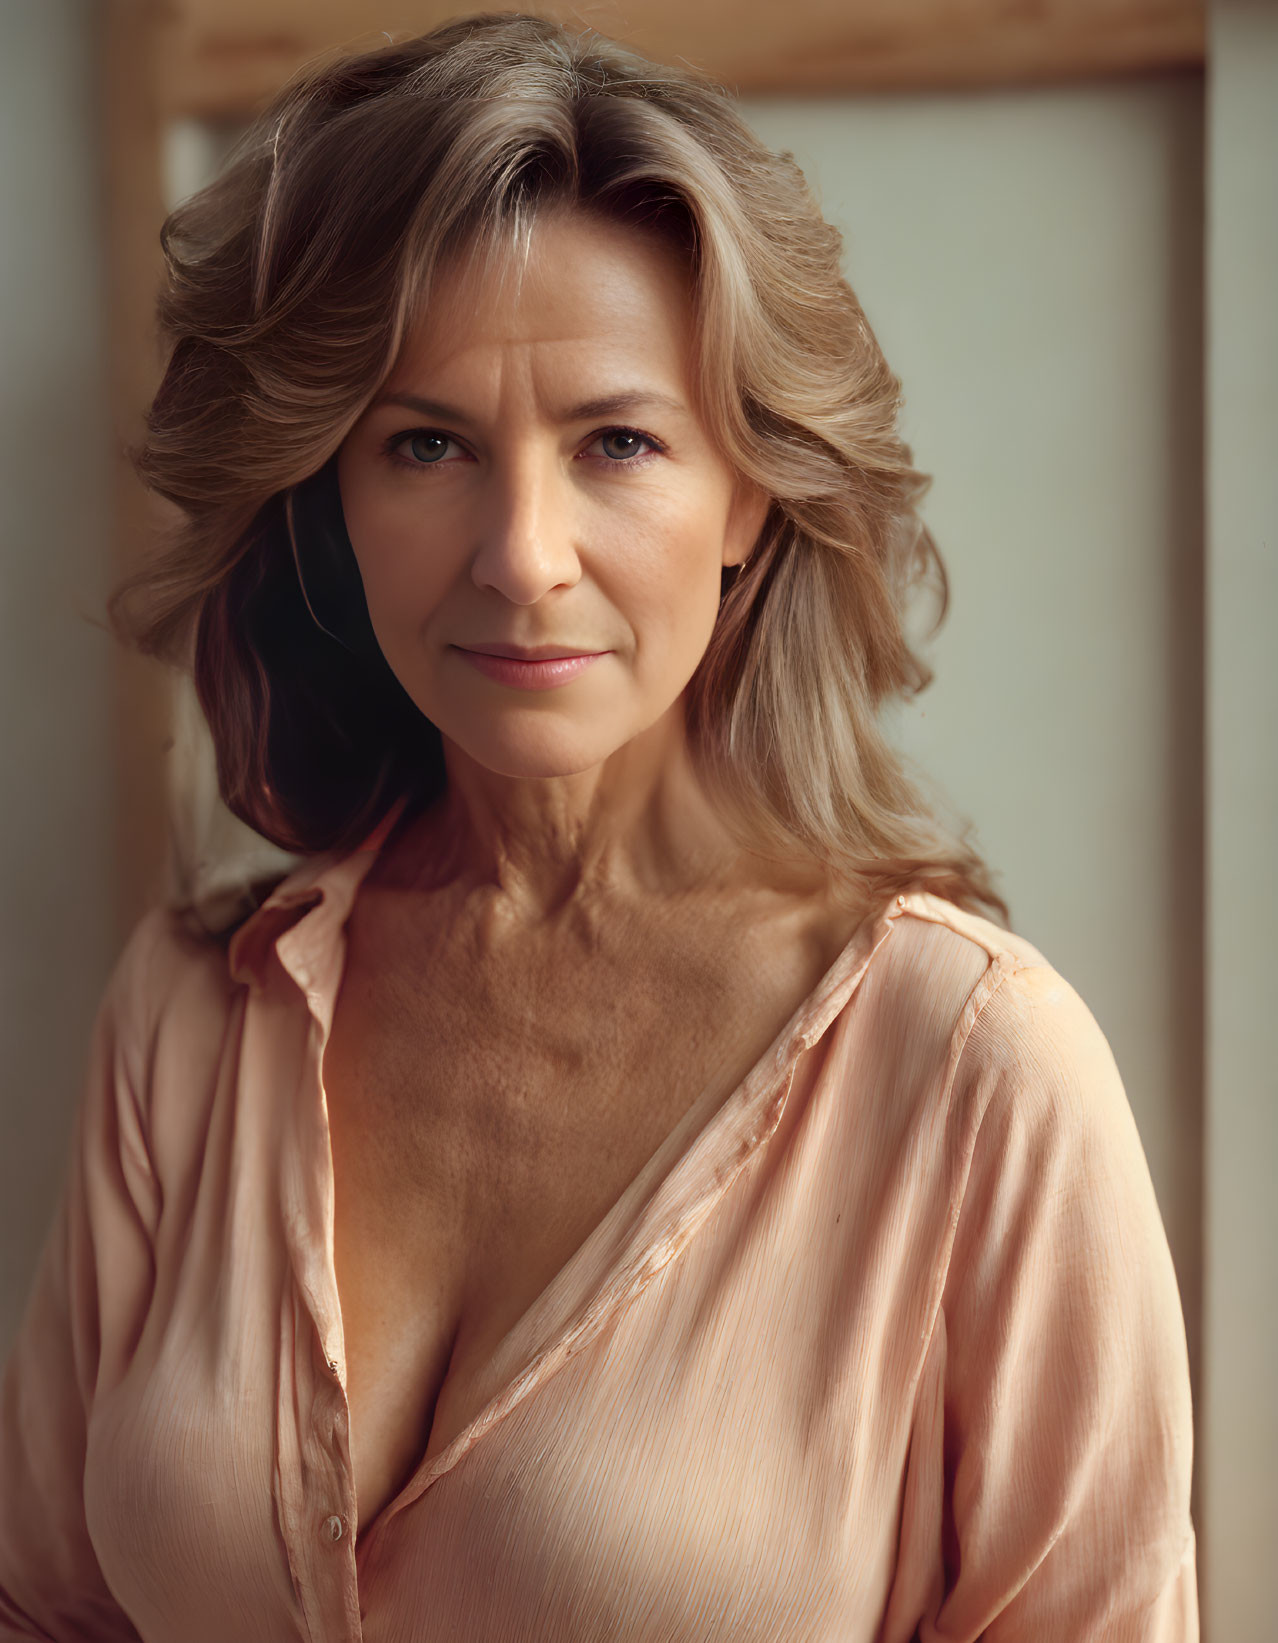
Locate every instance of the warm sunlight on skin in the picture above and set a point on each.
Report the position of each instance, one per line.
(551, 485)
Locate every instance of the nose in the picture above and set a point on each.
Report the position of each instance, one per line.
(527, 532)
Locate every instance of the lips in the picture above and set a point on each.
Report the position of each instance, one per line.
(530, 672)
(531, 653)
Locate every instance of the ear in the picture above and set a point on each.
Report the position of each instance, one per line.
(750, 504)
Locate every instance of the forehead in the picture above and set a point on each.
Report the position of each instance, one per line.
(578, 285)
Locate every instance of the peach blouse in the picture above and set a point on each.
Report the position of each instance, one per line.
(884, 1348)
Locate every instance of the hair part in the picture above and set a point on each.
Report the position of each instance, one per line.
(292, 283)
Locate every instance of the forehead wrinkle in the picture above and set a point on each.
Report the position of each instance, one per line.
(600, 340)
(570, 378)
(493, 276)
(617, 403)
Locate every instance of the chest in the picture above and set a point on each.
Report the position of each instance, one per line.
(484, 1118)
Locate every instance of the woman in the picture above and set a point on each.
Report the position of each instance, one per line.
(620, 1186)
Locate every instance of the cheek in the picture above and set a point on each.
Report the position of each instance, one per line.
(667, 585)
(669, 553)
(399, 557)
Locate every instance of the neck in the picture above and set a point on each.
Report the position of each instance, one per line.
(639, 824)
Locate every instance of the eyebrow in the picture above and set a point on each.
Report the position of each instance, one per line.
(619, 404)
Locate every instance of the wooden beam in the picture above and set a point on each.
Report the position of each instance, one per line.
(222, 59)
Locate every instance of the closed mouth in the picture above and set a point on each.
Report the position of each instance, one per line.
(533, 653)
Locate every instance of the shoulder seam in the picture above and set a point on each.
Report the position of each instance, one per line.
(1002, 965)
(932, 910)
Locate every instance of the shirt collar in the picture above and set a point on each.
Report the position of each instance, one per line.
(323, 886)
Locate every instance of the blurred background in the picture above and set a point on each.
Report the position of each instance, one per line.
(1062, 222)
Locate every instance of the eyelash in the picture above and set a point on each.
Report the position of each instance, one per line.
(640, 460)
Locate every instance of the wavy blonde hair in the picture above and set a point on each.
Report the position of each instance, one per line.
(292, 281)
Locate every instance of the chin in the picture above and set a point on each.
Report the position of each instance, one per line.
(542, 750)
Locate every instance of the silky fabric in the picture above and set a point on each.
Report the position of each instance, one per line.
(884, 1348)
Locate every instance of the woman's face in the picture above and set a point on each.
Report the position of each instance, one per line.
(535, 474)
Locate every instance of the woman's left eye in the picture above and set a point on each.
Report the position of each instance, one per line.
(623, 445)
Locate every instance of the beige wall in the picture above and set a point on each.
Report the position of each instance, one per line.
(57, 931)
(1239, 1415)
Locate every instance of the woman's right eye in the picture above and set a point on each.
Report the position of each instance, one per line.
(422, 448)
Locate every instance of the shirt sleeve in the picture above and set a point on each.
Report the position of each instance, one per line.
(85, 1309)
(1066, 1425)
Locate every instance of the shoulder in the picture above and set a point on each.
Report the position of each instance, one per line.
(169, 985)
(162, 962)
(1035, 1105)
(1046, 1168)
(1023, 1048)
(935, 967)
(947, 925)
(1011, 1003)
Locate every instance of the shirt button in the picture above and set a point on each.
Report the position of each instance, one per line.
(900, 901)
(334, 1527)
(332, 1364)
